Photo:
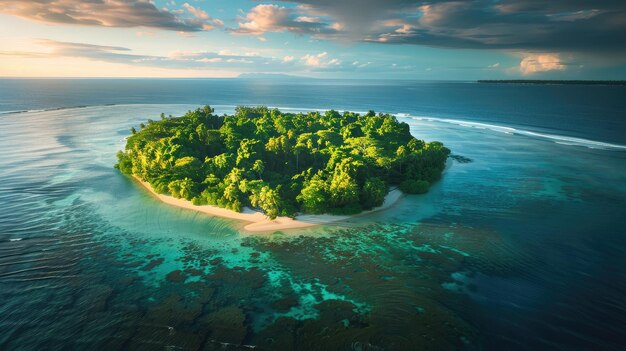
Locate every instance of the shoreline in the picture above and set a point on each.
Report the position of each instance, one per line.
(259, 222)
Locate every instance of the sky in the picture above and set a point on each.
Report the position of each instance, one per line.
(354, 39)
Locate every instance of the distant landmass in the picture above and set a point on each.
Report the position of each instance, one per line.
(274, 76)
(539, 81)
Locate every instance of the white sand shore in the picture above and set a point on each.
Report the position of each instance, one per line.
(260, 222)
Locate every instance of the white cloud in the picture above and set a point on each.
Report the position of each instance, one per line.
(533, 63)
(334, 62)
(405, 29)
(575, 16)
(312, 60)
(308, 19)
(144, 34)
(264, 18)
(185, 34)
(226, 52)
(241, 60)
(206, 22)
(320, 60)
(267, 18)
(186, 60)
(338, 26)
(210, 60)
(198, 13)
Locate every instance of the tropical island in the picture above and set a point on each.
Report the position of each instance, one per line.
(275, 166)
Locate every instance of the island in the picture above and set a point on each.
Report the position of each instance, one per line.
(553, 82)
(281, 170)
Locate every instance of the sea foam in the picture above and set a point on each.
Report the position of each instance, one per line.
(559, 139)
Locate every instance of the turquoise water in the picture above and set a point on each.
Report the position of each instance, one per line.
(521, 248)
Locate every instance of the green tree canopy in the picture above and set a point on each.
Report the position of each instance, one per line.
(282, 163)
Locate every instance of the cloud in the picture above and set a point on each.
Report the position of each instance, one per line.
(323, 62)
(25, 54)
(534, 63)
(528, 25)
(318, 60)
(116, 54)
(109, 13)
(186, 34)
(203, 18)
(267, 18)
(211, 60)
(359, 64)
(199, 13)
(183, 60)
(353, 18)
(225, 60)
(144, 34)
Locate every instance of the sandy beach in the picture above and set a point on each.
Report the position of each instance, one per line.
(259, 221)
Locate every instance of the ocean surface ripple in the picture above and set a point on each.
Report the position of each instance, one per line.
(520, 249)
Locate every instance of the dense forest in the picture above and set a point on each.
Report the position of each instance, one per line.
(282, 163)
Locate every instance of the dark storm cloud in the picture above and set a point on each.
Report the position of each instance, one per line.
(577, 25)
(108, 13)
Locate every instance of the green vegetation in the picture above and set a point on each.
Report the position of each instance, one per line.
(282, 163)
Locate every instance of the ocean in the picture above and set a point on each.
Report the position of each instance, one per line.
(523, 248)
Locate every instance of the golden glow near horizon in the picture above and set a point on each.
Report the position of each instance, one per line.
(163, 38)
(24, 53)
(77, 67)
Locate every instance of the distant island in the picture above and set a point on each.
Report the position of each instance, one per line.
(573, 82)
(281, 164)
(271, 76)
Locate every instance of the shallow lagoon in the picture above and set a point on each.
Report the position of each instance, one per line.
(509, 250)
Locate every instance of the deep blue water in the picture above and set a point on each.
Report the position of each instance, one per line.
(591, 112)
(524, 248)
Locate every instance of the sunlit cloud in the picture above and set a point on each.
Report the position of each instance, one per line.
(321, 37)
(315, 60)
(534, 63)
(199, 13)
(267, 18)
(109, 13)
(247, 61)
(206, 21)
